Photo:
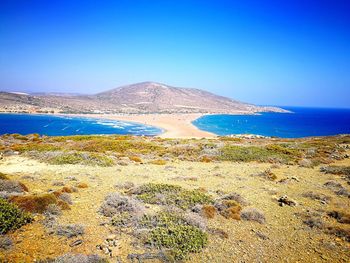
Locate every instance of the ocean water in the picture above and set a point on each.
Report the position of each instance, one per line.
(58, 126)
(302, 122)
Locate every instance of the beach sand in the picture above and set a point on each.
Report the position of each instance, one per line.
(174, 125)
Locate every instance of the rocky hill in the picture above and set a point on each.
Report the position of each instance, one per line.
(145, 97)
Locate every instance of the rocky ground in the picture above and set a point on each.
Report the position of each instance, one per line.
(115, 198)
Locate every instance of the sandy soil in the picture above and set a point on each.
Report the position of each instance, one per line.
(174, 125)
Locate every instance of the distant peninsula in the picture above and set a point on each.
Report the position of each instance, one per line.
(140, 98)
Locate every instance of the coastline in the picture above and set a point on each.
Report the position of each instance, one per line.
(173, 125)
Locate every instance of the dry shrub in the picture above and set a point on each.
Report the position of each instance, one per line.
(79, 258)
(267, 174)
(4, 176)
(53, 209)
(219, 232)
(158, 162)
(339, 232)
(67, 189)
(37, 203)
(10, 186)
(63, 205)
(5, 242)
(236, 197)
(317, 196)
(116, 203)
(253, 214)
(229, 209)
(206, 159)
(135, 159)
(125, 185)
(208, 211)
(82, 185)
(71, 230)
(66, 198)
(341, 217)
(58, 183)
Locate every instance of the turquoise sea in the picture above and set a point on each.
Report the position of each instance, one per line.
(302, 122)
(57, 125)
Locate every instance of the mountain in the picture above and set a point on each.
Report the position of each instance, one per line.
(145, 97)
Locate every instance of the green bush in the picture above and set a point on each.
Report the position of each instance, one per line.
(11, 217)
(179, 239)
(259, 154)
(166, 194)
(173, 231)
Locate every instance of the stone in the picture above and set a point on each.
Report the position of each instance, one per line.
(285, 200)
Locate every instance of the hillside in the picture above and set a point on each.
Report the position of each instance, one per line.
(145, 97)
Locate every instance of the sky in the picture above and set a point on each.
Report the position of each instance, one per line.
(290, 52)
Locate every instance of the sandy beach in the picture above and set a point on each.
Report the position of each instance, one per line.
(174, 125)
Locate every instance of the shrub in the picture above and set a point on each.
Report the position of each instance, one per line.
(79, 258)
(317, 196)
(10, 186)
(253, 214)
(176, 231)
(125, 185)
(158, 162)
(180, 239)
(82, 158)
(208, 211)
(166, 194)
(121, 219)
(135, 159)
(116, 203)
(67, 189)
(268, 174)
(71, 230)
(34, 203)
(230, 209)
(82, 185)
(340, 170)
(236, 197)
(66, 198)
(11, 217)
(341, 217)
(4, 177)
(255, 153)
(339, 232)
(53, 209)
(5, 242)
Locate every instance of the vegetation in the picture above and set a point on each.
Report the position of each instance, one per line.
(180, 239)
(4, 177)
(270, 153)
(82, 158)
(11, 217)
(173, 232)
(166, 194)
(253, 214)
(36, 203)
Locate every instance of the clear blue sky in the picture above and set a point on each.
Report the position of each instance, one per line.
(282, 52)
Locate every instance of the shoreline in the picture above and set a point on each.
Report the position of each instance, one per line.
(173, 125)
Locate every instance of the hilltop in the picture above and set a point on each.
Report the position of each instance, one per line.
(145, 97)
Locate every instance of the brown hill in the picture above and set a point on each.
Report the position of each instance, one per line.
(145, 97)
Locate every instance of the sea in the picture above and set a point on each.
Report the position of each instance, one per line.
(63, 125)
(302, 122)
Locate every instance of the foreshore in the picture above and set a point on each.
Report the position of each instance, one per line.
(173, 125)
